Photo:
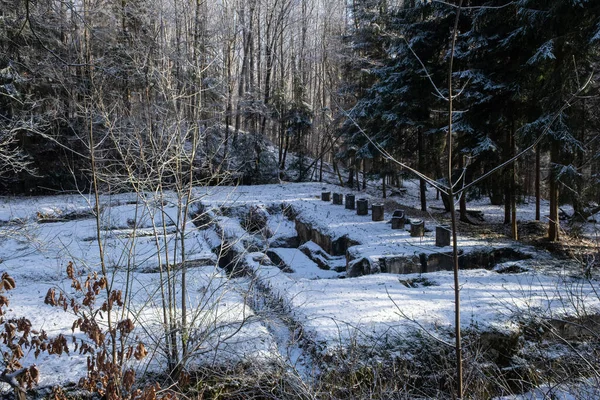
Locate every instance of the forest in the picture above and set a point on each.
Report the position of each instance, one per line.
(166, 168)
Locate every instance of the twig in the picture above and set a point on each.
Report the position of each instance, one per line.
(544, 133)
(11, 378)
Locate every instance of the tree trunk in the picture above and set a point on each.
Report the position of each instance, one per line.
(538, 178)
(357, 173)
(383, 181)
(553, 224)
(350, 182)
(364, 174)
(507, 177)
(321, 170)
(244, 77)
(507, 196)
(229, 108)
(422, 184)
(285, 151)
(462, 203)
(578, 195)
(513, 185)
(457, 328)
(337, 171)
(269, 69)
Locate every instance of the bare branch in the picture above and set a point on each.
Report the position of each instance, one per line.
(574, 97)
(439, 186)
(11, 378)
(475, 7)
(427, 74)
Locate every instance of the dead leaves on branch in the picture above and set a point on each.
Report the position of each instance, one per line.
(30, 378)
(8, 283)
(17, 337)
(70, 270)
(125, 327)
(107, 346)
(58, 345)
(140, 352)
(21, 379)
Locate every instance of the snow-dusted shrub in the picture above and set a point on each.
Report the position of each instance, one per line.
(254, 158)
(256, 221)
(108, 350)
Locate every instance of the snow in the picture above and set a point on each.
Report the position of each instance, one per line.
(36, 255)
(381, 302)
(302, 266)
(560, 391)
(281, 228)
(330, 307)
(544, 52)
(333, 311)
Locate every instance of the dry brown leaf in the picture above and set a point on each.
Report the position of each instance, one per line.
(129, 379)
(140, 351)
(70, 270)
(51, 297)
(8, 283)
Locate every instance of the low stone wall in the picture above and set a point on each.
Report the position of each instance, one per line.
(422, 263)
(400, 265)
(334, 247)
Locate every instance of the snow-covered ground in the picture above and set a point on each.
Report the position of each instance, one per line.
(375, 305)
(39, 236)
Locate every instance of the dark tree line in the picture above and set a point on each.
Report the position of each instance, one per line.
(516, 68)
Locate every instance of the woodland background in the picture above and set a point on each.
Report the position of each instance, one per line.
(306, 77)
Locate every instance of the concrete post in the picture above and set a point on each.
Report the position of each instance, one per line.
(442, 236)
(362, 207)
(377, 212)
(417, 228)
(338, 199)
(397, 222)
(350, 200)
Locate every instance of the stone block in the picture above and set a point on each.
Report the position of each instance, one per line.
(350, 201)
(417, 228)
(362, 207)
(377, 212)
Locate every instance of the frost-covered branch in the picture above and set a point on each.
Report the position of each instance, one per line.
(574, 97)
(387, 156)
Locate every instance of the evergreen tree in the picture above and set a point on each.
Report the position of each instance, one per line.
(367, 47)
(563, 48)
(398, 111)
(515, 65)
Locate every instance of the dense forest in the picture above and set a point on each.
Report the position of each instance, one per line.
(140, 108)
(334, 81)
